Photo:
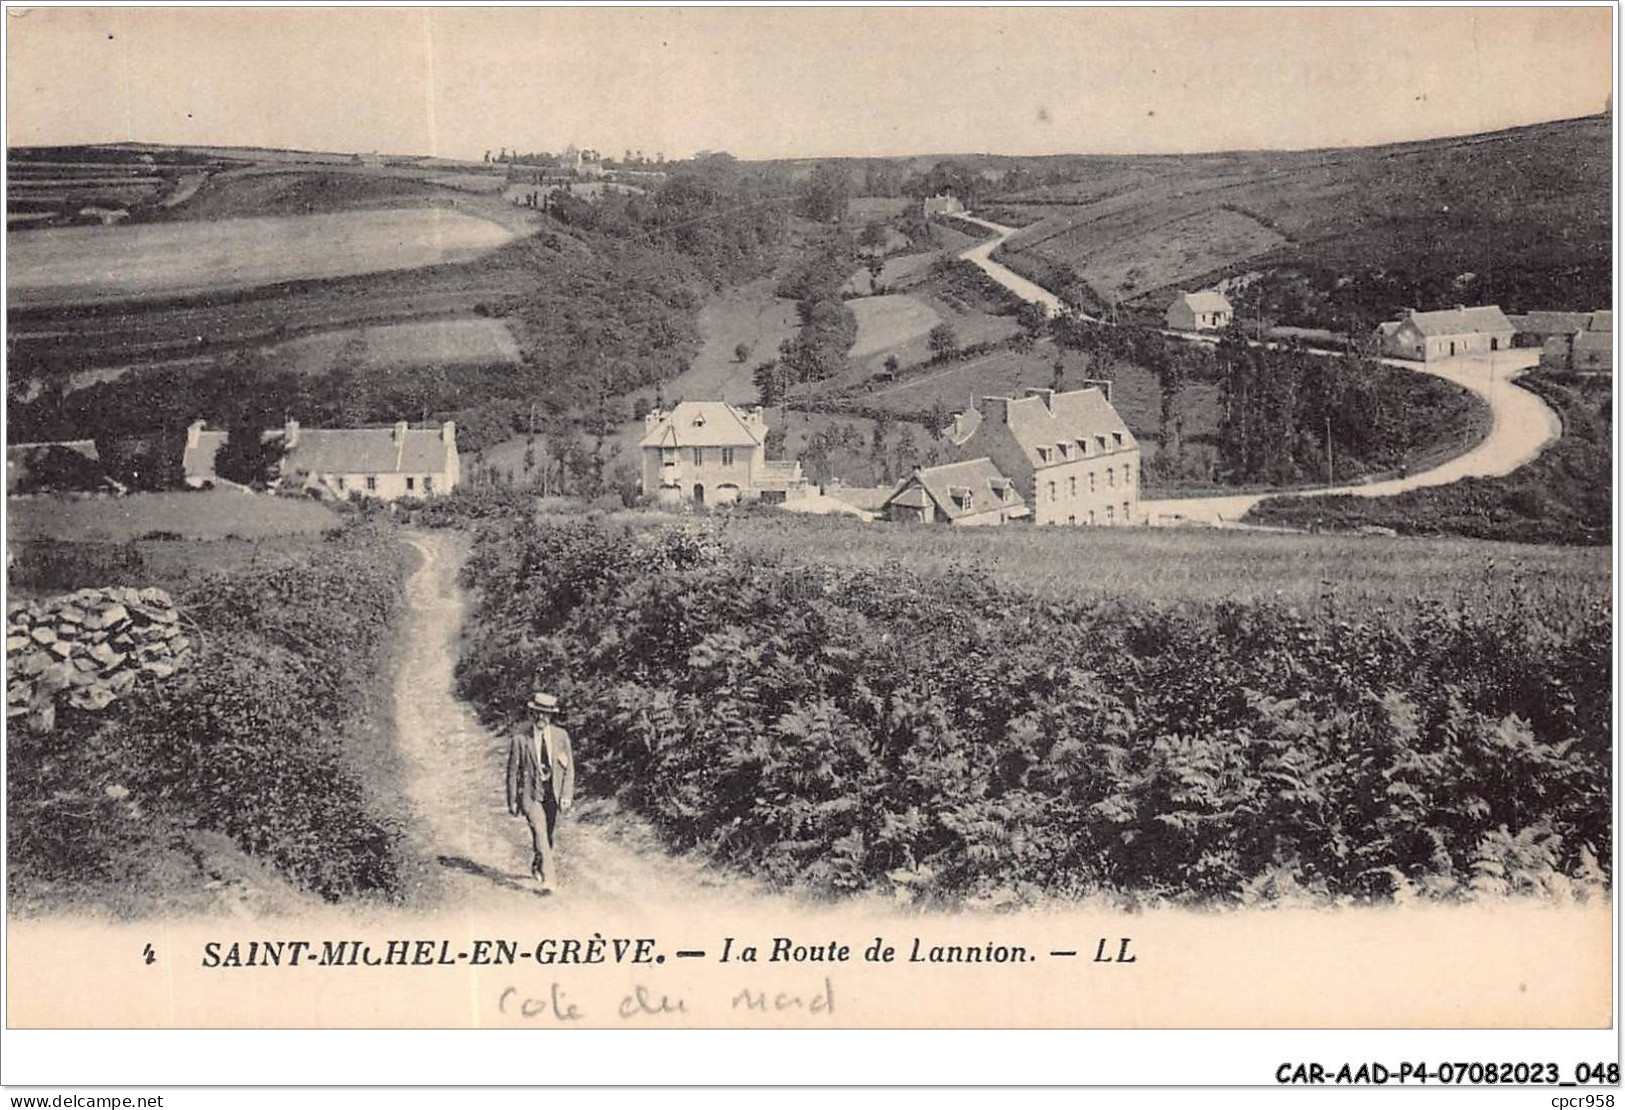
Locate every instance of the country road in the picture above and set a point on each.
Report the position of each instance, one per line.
(454, 772)
(1522, 425)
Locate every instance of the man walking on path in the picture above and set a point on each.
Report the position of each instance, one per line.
(541, 782)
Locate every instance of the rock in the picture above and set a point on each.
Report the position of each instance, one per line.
(66, 631)
(158, 668)
(82, 679)
(15, 644)
(106, 656)
(18, 692)
(113, 614)
(43, 635)
(152, 595)
(122, 640)
(180, 644)
(71, 614)
(122, 682)
(91, 697)
(33, 663)
(85, 663)
(62, 649)
(56, 677)
(43, 719)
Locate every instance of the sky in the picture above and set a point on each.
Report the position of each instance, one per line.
(807, 82)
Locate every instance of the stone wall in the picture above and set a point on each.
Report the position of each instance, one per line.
(87, 649)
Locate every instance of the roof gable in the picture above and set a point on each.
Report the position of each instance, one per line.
(1207, 300)
(1083, 414)
(703, 424)
(960, 489)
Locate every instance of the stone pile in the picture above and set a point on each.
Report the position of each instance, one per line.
(87, 649)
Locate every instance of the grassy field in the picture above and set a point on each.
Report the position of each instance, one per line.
(457, 341)
(200, 515)
(76, 265)
(1523, 214)
(887, 323)
(1352, 574)
(748, 314)
(866, 209)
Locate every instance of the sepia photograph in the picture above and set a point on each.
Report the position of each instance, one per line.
(972, 518)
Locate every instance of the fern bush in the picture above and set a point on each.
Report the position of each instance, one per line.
(937, 738)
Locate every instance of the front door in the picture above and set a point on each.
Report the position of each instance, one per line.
(699, 494)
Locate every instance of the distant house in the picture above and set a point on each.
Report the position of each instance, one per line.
(367, 158)
(1448, 333)
(709, 452)
(1071, 457)
(67, 466)
(1587, 349)
(384, 463)
(1205, 311)
(967, 493)
(1533, 329)
(943, 204)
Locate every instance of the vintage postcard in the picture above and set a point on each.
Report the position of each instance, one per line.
(838, 518)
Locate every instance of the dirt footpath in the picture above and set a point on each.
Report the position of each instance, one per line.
(455, 770)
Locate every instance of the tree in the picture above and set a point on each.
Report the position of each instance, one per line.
(943, 340)
(892, 364)
(248, 457)
(826, 193)
(1032, 318)
(741, 352)
(772, 380)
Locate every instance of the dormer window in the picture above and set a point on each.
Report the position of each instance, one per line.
(1100, 441)
(699, 421)
(1083, 446)
(1117, 438)
(1065, 449)
(1043, 454)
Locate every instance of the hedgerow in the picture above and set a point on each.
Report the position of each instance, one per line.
(265, 737)
(939, 738)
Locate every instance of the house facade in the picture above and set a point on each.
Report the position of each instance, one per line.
(1588, 349)
(1448, 333)
(1070, 456)
(943, 204)
(1205, 311)
(383, 463)
(967, 493)
(710, 452)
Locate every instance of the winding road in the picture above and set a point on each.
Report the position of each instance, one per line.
(1522, 425)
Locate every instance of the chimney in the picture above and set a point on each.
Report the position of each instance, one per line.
(1102, 384)
(996, 409)
(194, 434)
(290, 434)
(400, 431)
(652, 418)
(448, 433)
(1047, 394)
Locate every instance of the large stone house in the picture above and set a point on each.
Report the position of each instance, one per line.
(968, 493)
(1070, 456)
(1204, 311)
(384, 463)
(709, 452)
(943, 204)
(1448, 333)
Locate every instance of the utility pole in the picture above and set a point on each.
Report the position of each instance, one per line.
(1329, 452)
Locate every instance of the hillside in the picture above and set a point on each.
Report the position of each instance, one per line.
(1517, 217)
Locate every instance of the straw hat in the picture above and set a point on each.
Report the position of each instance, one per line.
(545, 703)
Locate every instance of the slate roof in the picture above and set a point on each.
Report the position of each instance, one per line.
(1594, 341)
(1207, 300)
(1601, 321)
(366, 451)
(1549, 323)
(1068, 417)
(1482, 319)
(978, 476)
(703, 424)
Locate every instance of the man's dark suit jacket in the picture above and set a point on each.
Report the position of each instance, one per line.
(526, 779)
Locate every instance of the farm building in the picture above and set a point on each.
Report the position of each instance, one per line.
(1589, 348)
(69, 466)
(1070, 455)
(383, 463)
(1533, 329)
(967, 493)
(1448, 333)
(1205, 311)
(943, 204)
(711, 452)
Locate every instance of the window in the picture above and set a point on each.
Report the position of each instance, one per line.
(1066, 450)
(1091, 481)
(1071, 520)
(411, 483)
(699, 456)
(428, 483)
(1100, 441)
(668, 455)
(1117, 439)
(372, 484)
(341, 481)
(1072, 486)
(1052, 491)
(1043, 454)
(1111, 478)
(1091, 516)
(1109, 515)
(727, 456)
(1125, 512)
(1083, 446)
(1128, 479)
